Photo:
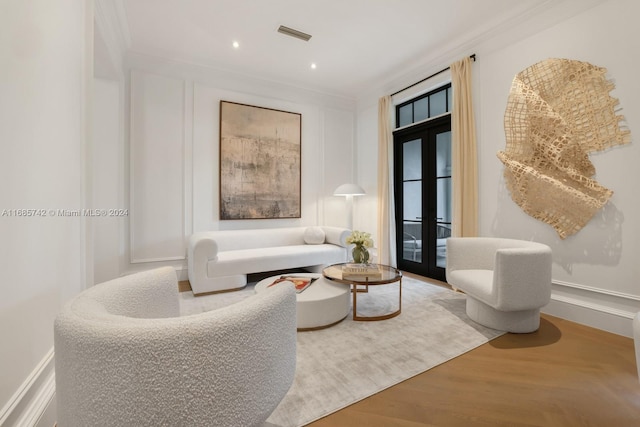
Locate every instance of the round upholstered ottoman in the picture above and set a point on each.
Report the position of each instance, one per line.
(320, 305)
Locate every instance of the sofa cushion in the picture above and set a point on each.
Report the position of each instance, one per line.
(314, 236)
(276, 258)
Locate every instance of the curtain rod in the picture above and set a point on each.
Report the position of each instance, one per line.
(427, 78)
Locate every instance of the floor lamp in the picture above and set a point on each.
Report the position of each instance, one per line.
(349, 190)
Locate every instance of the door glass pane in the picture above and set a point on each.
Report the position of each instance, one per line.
(443, 154)
(412, 229)
(441, 245)
(438, 103)
(405, 115)
(449, 97)
(412, 206)
(444, 213)
(412, 196)
(443, 209)
(421, 109)
(412, 160)
(412, 241)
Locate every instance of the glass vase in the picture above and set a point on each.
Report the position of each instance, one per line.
(360, 254)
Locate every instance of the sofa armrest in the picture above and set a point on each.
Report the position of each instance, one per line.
(336, 235)
(202, 249)
(530, 268)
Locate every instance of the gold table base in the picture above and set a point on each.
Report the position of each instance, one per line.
(355, 290)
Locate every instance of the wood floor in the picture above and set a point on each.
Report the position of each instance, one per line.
(565, 374)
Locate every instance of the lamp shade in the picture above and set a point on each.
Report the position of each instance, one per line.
(349, 190)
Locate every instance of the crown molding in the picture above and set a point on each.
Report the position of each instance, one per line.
(112, 21)
(113, 29)
(483, 40)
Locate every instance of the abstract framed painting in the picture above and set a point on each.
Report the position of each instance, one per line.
(259, 162)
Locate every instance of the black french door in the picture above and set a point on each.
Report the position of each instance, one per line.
(422, 181)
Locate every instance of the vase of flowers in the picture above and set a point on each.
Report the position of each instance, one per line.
(361, 241)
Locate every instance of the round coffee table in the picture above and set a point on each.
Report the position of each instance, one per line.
(321, 305)
(380, 275)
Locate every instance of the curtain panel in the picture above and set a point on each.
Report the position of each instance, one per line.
(463, 152)
(386, 209)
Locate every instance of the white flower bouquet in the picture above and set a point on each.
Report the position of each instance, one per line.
(360, 238)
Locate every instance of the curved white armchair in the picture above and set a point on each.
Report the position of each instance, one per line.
(636, 340)
(506, 281)
(124, 357)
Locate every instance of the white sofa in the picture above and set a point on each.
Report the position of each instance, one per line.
(507, 281)
(125, 357)
(220, 260)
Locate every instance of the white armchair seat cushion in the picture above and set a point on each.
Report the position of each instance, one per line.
(478, 283)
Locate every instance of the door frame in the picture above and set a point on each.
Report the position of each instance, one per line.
(426, 130)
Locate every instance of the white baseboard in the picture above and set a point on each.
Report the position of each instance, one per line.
(183, 274)
(31, 405)
(599, 308)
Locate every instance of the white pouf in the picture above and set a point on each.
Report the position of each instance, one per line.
(321, 305)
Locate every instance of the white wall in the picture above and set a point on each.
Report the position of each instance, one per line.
(108, 177)
(366, 207)
(157, 168)
(43, 110)
(173, 150)
(595, 271)
(597, 267)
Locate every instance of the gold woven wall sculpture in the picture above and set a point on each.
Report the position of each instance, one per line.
(559, 111)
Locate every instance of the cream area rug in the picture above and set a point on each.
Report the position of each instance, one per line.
(352, 360)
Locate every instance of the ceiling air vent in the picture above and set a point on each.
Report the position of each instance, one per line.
(294, 33)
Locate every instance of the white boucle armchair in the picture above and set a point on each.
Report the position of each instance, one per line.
(507, 281)
(125, 357)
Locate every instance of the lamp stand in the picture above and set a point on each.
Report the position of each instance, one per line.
(349, 212)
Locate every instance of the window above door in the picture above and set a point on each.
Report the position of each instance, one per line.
(431, 104)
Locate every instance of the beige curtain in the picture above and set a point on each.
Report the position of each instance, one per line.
(386, 217)
(464, 155)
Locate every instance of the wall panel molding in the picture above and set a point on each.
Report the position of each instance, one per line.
(611, 311)
(189, 120)
(30, 402)
(158, 167)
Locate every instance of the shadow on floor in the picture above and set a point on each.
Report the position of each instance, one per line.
(546, 335)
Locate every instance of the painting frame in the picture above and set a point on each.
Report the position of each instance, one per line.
(259, 163)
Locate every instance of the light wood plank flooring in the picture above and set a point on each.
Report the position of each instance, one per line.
(565, 374)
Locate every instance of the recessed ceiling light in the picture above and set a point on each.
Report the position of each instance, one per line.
(236, 45)
(313, 65)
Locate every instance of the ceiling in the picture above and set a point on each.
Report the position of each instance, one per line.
(356, 44)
